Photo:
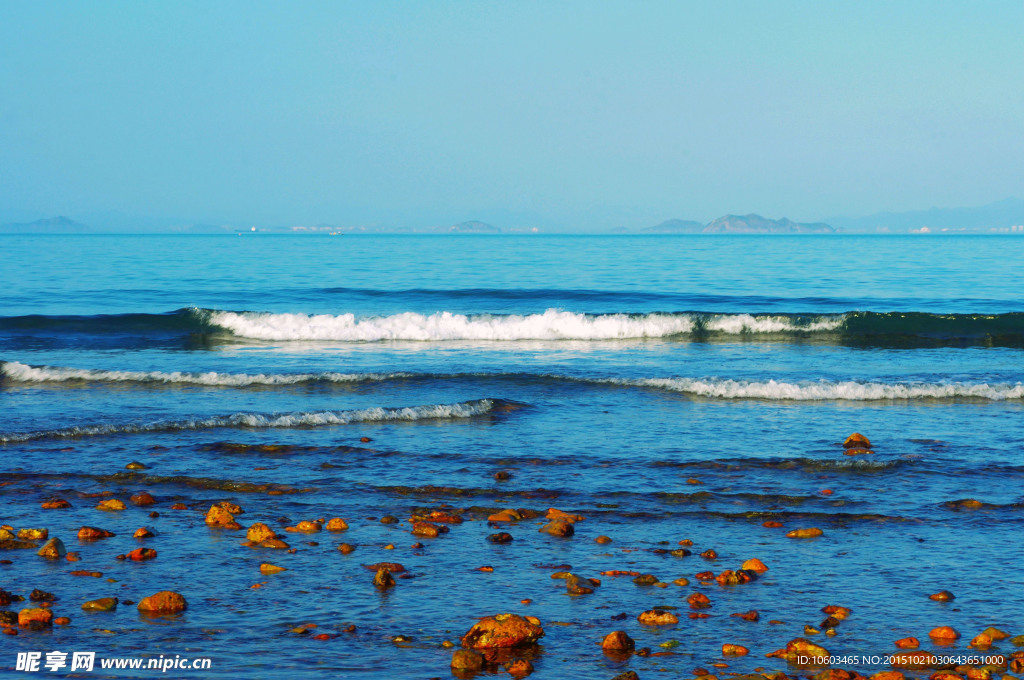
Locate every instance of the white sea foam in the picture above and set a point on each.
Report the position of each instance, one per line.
(18, 372)
(551, 325)
(465, 409)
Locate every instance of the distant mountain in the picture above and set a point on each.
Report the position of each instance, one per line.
(50, 225)
(755, 224)
(675, 227)
(999, 216)
(474, 227)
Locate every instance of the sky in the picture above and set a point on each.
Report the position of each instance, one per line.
(560, 115)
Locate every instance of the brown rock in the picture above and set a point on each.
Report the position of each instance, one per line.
(519, 668)
(143, 532)
(53, 549)
(143, 499)
(657, 617)
(61, 621)
(888, 675)
(618, 641)
(35, 618)
(135, 465)
(942, 596)
(772, 524)
(602, 540)
(141, 554)
(259, 532)
(857, 441)
(218, 516)
(104, 604)
(559, 527)
(393, 567)
(813, 532)
(555, 513)
(943, 633)
(179, 506)
(268, 568)
(996, 634)
(981, 641)
(752, 615)
(907, 643)
(505, 516)
(274, 544)
(754, 565)
(337, 524)
(802, 647)
(346, 548)
(467, 660)
(698, 601)
(33, 534)
(503, 631)
(164, 602)
(427, 530)
(111, 504)
(734, 650)
(92, 534)
(501, 538)
(857, 452)
(56, 504)
(383, 579)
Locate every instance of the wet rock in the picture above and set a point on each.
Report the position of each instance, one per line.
(93, 534)
(428, 530)
(41, 596)
(801, 647)
(681, 582)
(908, 643)
(336, 524)
(679, 552)
(657, 617)
(141, 554)
(503, 631)
(755, 565)
(33, 534)
(346, 548)
(942, 596)
(507, 515)
(142, 499)
(734, 650)
(143, 532)
(305, 527)
(467, 660)
(383, 579)
(578, 589)
(154, 514)
(628, 675)
(104, 604)
(841, 613)
(888, 675)
(733, 578)
(857, 452)
(966, 503)
(698, 601)
(164, 602)
(602, 540)
(268, 568)
(709, 554)
(502, 476)
(53, 549)
(56, 504)
(752, 615)
(943, 633)
(995, 633)
(259, 532)
(519, 668)
(502, 537)
(35, 618)
(273, 544)
(556, 514)
(389, 519)
(813, 532)
(393, 567)
(857, 441)
(61, 621)
(559, 527)
(179, 506)
(135, 465)
(771, 524)
(705, 576)
(93, 574)
(981, 641)
(219, 517)
(112, 504)
(618, 641)
(645, 580)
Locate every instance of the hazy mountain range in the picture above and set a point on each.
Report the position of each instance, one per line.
(999, 217)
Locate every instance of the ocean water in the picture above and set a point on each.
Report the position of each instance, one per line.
(664, 387)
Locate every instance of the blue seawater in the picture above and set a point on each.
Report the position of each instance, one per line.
(664, 387)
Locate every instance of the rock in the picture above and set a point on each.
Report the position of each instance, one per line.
(41, 596)
(164, 602)
(836, 611)
(752, 615)
(602, 540)
(657, 617)
(888, 675)
(143, 532)
(389, 519)
(104, 604)
(273, 544)
(467, 660)
(141, 554)
(219, 517)
(733, 578)
(142, 499)
(383, 579)
(53, 549)
(502, 537)
(231, 507)
(734, 650)
(393, 567)
(698, 601)
(259, 532)
(578, 589)
(35, 618)
(56, 504)
(709, 554)
(268, 568)
(555, 513)
(136, 465)
(801, 647)
(427, 530)
(772, 524)
(907, 643)
(995, 633)
(559, 527)
(943, 633)
(502, 476)
(346, 548)
(857, 441)
(179, 506)
(813, 532)
(981, 641)
(681, 582)
(857, 452)
(33, 534)
(942, 596)
(93, 574)
(754, 565)
(505, 516)
(629, 675)
(519, 668)
(111, 505)
(618, 641)
(503, 631)
(645, 580)
(93, 534)
(61, 621)
(336, 524)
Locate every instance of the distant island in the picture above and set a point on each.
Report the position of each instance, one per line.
(740, 224)
(50, 225)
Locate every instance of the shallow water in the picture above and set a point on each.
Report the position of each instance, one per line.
(603, 373)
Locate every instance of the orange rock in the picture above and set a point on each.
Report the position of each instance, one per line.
(945, 675)
(142, 554)
(92, 534)
(752, 615)
(602, 539)
(259, 532)
(754, 565)
(72, 557)
(57, 504)
(802, 647)
(943, 633)
(179, 506)
(981, 641)
(857, 452)
(559, 527)
(813, 532)
(942, 596)
(467, 660)
(306, 527)
(143, 499)
(273, 544)
(826, 492)
(709, 554)
(143, 532)
(111, 504)
(33, 534)
(732, 578)
(267, 568)
(218, 516)
(734, 650)
(383, 579)
(887, 675)
(519, 668)
(857, 441)
(346, 548)
(35, 618)
(393, 567)
(772, 524)
(908, 643)
(555, 513)
(487, 569)
(443, 517)
(699, 615)
(427, 530)
(164, 602)
(53, 549)
(336, 524)
(705, 576)
(503, 631)
(618, 641)
(61, 621)
(837, 612)
(657, 617)
(698, 601)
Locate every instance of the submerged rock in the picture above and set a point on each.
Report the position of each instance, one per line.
(503, 631)
(56, 504)
(657, 617)
(618, 641)
(336, 524)
(143, 499)
(383, 579)
(164, 602)
(112, 504)
(104, 604)
(93, 534)
(943, 633)
(467, 660)
(559, 527)
(813, 532)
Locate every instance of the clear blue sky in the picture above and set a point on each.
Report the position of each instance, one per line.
(551, 114)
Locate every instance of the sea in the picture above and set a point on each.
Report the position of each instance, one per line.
(666, 388)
